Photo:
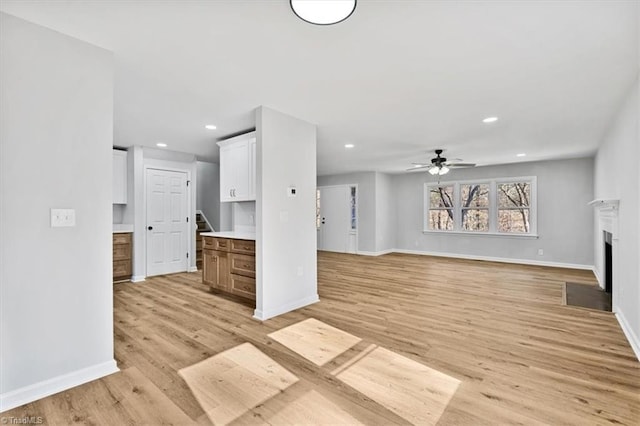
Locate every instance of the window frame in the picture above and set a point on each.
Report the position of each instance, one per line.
(493, 207)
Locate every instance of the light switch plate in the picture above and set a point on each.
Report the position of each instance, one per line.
(63, 218)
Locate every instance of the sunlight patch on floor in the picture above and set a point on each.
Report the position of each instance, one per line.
(233, 382)
(315, 341)
(413, 391)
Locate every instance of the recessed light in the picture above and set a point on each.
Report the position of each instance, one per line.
(490, 120)
(522, 154)
(210, 127)
(161, 145)
(349, 145)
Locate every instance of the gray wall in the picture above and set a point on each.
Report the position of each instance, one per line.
(565, 221)
(617, 176)
(366, 204)
(386, 213)
(56, 294)
(208, 196)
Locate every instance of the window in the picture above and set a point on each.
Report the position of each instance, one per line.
(499, 206)
(474, 206)
(514, 208)
(441, 208)
(318, 221)
(353, 205)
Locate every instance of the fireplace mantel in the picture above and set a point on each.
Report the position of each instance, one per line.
(605, 204)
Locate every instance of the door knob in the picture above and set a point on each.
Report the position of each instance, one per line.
(150, 228)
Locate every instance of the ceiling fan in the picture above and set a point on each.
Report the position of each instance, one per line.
(439, 165)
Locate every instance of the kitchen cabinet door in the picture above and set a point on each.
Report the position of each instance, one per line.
(237, 168)
(216, 269)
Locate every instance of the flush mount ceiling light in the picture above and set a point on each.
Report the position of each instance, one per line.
(323, 12)
(161, 145)
(522, 154)
(210, 127)
(490, 120)
(349, 145)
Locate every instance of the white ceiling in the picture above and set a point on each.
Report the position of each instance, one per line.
(397, 79)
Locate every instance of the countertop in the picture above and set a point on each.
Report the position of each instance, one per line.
(236, 235)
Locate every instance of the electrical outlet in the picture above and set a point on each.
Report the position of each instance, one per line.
(540, 252)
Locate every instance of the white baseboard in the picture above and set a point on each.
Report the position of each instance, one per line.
(137, 278)
(375, 253)
(597, 275)
(270, 313)
(193, 269)
(498, 259)
(634, 341)
(18, 397)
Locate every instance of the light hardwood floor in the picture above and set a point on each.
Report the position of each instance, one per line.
(496, 335)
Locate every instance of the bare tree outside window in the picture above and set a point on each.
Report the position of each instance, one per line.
(475, 207)
(441, 208)
(492, 206)
(514, 207)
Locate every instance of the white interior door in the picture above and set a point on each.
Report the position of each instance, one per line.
(335, 225)
(167, 226)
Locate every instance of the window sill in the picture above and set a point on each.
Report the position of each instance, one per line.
(484, 234)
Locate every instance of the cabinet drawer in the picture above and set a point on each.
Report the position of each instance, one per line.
(121, 269)
(213, 243)
(122, 238)
(243, 286)
(121, 252)
(241, 264)
(243, 246)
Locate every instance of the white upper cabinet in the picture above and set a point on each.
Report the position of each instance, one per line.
(237, 168)
(119, 177)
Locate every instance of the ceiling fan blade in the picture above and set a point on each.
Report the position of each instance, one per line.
(421, 164)
(460, 165)
(418, 168)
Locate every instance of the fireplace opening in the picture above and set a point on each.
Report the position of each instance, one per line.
(608, 261)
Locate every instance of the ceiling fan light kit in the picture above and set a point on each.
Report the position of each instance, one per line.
(323, 12)
(439, 165)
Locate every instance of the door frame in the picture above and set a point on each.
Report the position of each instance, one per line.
(352, 234)
(190, 210)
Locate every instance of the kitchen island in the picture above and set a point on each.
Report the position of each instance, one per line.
(229, 262)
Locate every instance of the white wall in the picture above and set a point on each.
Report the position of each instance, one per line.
(565, 221)
(56, 294)
(208, 196)
(286, 274)
(244, 216)
(366, 182)
(617, 176)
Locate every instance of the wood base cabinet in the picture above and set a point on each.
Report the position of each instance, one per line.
(229, 265)
(215, 270)
(121, 257)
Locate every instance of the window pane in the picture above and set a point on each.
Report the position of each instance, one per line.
(353, 208)
(475, 220)
(318, 208)
(441, 220)
(475, 195)
(516, 221)
(441, 196)
(516, 194)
